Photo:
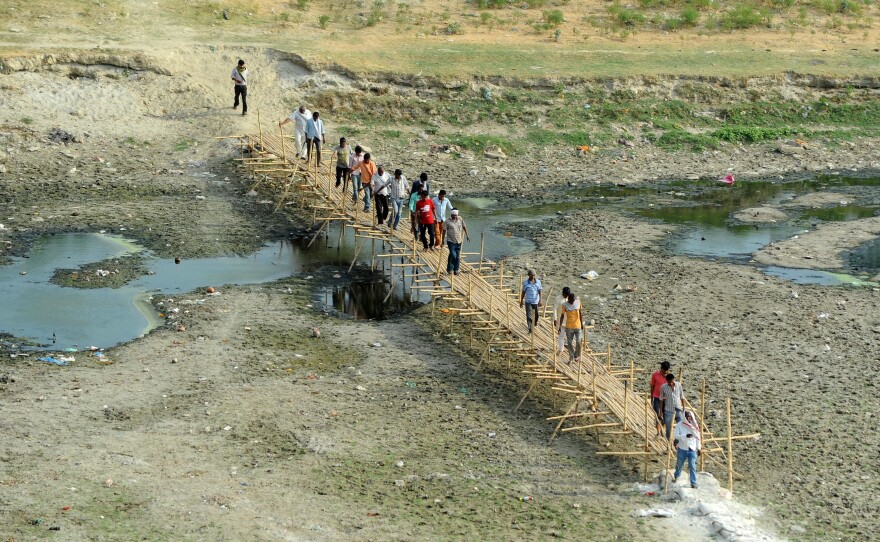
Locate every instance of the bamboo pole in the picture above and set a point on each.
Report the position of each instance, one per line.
(647, 432)
(729, 449)
(703, 422)
(260, 127)
(482, 240)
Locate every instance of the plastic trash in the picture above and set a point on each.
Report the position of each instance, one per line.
(50, 359)
(590, 275)
(654, 513)
(526, 498)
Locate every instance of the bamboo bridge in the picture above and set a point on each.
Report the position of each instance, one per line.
(601, 394)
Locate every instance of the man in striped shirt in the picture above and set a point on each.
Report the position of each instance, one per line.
(672, 399)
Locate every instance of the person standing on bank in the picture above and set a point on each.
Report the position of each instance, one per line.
(672, 399)
(381, 184)
(441, 205)
(573, 320)
(688, 446)
(314, 137)
(455, 227)
(300, 118)
(658, 379)
(398, 193)
(531, 294)
(239, 78)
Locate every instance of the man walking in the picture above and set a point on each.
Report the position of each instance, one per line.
(658, 379)
(354, 170)
(672, 399)
(455, 227)
(413, 215)
(441, 205)
(239, 78)
(531, 294)
(366, 168)
(573, 320)
(421, 184)
(425, 215)
(688, 446)
(343, 156)
(558, 319)
(300, 119)
(314, 137)
(398, 193)
(381, 184)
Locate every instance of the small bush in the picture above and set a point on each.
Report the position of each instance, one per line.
(454, 28)
(677, 139)
(751, 134)
(554, 17)
(690, 16)
(626, 17)
(323, 20)
(491, 4)
(485, 17)
(302, 4)
(27, 120)
(742, 17)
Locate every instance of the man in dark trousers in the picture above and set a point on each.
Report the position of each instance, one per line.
(239, 77)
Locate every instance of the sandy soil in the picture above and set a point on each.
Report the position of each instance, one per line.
(820, 248)
(241, 438)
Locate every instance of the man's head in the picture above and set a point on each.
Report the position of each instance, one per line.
(358, 149)
(664, 367)
(380, 170)
(453, 215)
(423, 177)
(670, 379)
(441, 194)
(342, 141)
(240, 63)
(565, 292)
(302, 109)
(424, 194)
(571, 298)
(367, 157)
(689, 416)
(398, 173)
(315, 115)
(531, 274)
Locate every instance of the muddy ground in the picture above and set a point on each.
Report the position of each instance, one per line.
(245, 427)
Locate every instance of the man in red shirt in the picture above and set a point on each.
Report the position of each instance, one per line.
(657, 380)
(425, 214)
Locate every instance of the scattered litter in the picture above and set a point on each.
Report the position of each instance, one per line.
(50, 359)
(66, 359)
(376, 345)
(108, 482)
(315, 332)
(298, 356)
(361, 388)
(823, 315)
(399, 464)
(526, 498)
(373, 514)
(728, 180)
(491, 435)
(590, 275)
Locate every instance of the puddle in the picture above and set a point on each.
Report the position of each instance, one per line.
(866, 257)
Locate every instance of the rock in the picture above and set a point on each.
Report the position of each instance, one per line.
(2, 168)
(181, 328)
(315, 332)
(399, 464)
(788, 150)
(211, 290)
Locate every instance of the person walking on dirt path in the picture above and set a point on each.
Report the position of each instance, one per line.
(314, 137)
(413, 216)
(689, 446)
(381, 184)
(558, 319)
(425, 215)
(672, 399)
(421, 184)
(367, 168)
(354, 171)
(573, 320)
(398, 192)
(343, 154)
(240, 77)
(456, 232)
(658, 379)
(441, 206)
(300, 118)
(531, 294)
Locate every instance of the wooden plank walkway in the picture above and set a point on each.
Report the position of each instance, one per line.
(601, 395)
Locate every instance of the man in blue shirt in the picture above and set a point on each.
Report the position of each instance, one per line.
(531, 295)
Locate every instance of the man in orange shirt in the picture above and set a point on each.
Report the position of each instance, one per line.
(366, 169)
(657, 381)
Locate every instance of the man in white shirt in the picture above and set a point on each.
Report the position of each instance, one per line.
(314, 137)
(688, 446)
(398, 194)
(381, 184)
(300, 118)
(239, 78)
(441, 206)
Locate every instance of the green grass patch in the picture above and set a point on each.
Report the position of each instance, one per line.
(479, 143)
(752, 134)
(27, 120)
(680, 139)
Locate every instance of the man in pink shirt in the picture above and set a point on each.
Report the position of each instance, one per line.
(657, 381)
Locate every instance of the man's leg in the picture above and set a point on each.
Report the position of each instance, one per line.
(355, 187)
(680, 456)
(577, 346)
(368, 196)
(569, 343)
(431, 234)
(423, 230)
(237, 91)
(309, 150)
(244, 99)
(318, 150)
(657, 405)
(457, 261)
(339, 172)
(529, 309)
(398, 206)
(536, 314)
(450, 260)
(692, 467)
(667, 419)
(384, 208)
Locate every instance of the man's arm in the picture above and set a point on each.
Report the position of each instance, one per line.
(467, 236)
(522, 295)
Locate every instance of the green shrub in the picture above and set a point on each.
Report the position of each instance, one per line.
(742, 17)
(323, 20)
(302, 4)
(554, 17)
(677, 139)
(491, 4)
(454, 28)
(626, 17)
(690, 16)
(751, 134)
